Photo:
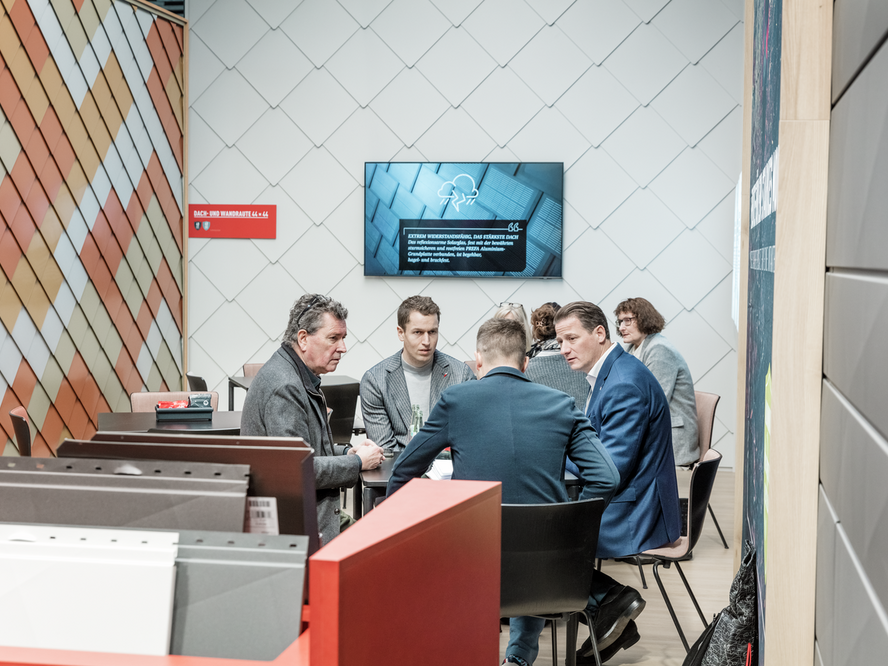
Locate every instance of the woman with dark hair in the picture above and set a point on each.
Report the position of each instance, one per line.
(546, 365)
(639, 324)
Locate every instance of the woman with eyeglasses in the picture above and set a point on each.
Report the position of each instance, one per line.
(546, 365)
(639, 324)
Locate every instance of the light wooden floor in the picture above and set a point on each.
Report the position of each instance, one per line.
(709, 574)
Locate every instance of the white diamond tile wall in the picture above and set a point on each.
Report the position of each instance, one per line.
(638, 99)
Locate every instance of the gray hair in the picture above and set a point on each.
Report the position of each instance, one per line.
(516, 311)
(307, 314)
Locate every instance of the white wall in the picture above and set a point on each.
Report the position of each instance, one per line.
(639, 98)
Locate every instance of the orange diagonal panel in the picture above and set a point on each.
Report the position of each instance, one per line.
(78, 422)
(10, 252)
(158, 53)
(113, 302)
(78, 375)
(117, 219)
(51, 179)
(22, 122)
(154, 297)
(10, 200)
(25, 381)
(51, 129)
(22, 175)
(22, 20)
(37, 202)
(134, 210)
(65, 399)
(143, 322)
(52, 428)
(165, 112)
(23, 227)
(9, 93)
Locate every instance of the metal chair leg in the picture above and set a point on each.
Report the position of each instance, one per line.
(691, 595)
(554, 642)
(570, 643)
(681, 635)
(592, 638)
(715, 520)
(644, 584)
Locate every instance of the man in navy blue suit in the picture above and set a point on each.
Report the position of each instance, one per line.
(629, 411)
(506, 428)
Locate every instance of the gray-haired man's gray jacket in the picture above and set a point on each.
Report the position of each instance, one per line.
(284, 401)
(671, 370)
(385, 400)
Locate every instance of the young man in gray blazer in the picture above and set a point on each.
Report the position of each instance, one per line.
(285, 400)
(415, 375)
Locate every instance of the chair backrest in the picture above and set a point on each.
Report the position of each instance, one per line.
(706, 404)
(196, 383)
(19, 417)
(146, 400)
(548, 556)
(252, 369)
(702, 478)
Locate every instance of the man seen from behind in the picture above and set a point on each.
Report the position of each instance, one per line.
(506, 428)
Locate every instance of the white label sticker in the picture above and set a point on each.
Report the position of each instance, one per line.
(262, 515)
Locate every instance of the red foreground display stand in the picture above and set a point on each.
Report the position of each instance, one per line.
(414, 581)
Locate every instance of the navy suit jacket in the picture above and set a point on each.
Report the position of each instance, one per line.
(629, 411)
(506, 428)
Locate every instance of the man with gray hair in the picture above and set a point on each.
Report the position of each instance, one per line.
(285, 400)
(412, 379)
(506, 428)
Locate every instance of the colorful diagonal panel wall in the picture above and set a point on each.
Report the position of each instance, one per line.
(91, 198)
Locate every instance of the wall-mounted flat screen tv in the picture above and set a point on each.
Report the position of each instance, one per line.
(477, 219)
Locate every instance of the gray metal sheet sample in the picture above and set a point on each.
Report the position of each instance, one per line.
(121, 493)
(238, 596)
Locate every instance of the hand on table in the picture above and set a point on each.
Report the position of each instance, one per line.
(371, 455)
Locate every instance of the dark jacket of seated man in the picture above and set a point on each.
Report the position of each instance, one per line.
(506, 428)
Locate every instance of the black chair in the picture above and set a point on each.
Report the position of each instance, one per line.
(702, 479)
(19, 417)
(548, 558)
(706, 404)
(196, 382)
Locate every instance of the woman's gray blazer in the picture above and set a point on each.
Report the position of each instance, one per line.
(671, 370)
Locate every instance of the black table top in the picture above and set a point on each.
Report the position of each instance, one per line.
(223, 423)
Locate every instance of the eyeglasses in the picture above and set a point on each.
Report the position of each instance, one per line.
(624, 320)
(513, 305)
(310, 305)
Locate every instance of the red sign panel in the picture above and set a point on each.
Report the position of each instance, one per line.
(232, 221)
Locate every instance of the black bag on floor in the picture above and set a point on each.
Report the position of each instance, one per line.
(729, 636)
(698, 649)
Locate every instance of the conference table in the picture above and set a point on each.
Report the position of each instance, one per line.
(222, 423)
(373, 483)
(237, 382)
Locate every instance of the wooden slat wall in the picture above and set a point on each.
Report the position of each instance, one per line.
(798, 326)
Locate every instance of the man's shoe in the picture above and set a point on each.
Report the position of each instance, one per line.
(512, 659)
(626, 640)
(620, 606)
